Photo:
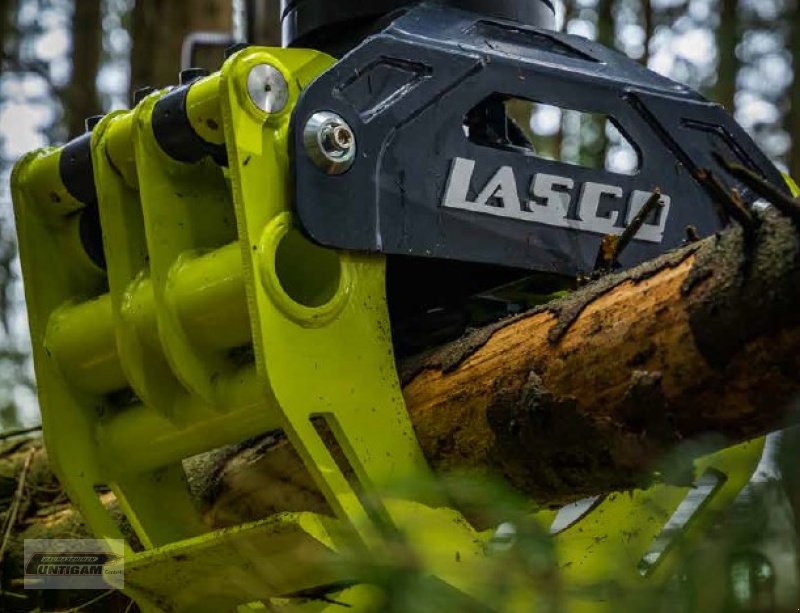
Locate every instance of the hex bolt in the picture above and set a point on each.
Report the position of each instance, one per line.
(267, 88)
(330, 142)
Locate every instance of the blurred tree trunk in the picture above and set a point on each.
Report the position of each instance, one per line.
(648, 22)
(558, 139)
(80, 97)
(159, 29)
(8, 15)
(597, 148)
(6, 23)
(728, 66)
(265, 23)
(605, 23)
(793, 116)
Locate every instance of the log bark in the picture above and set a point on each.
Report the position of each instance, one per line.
(589, 394)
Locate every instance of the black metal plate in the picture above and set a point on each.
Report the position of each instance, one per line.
(405, 93)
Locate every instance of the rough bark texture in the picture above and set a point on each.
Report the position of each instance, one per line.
(159, 29)
(586, 395)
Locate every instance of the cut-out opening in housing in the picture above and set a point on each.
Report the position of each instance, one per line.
(570, 136)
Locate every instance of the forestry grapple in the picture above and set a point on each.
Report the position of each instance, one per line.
(211, 265)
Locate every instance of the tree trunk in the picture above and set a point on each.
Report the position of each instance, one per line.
(597, 150)
(605, 23)
(648, 21)
(9, 34)
(265, 23)
(728, 63)
(588, 394)
(8, 14)
(159, 29)
(558, 139)
(793, 116)
(80, 98)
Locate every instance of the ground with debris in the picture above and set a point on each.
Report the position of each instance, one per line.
(33, 505)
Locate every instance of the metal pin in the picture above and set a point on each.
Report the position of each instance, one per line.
(267, 88)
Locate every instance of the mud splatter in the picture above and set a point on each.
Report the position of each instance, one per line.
(571, 459)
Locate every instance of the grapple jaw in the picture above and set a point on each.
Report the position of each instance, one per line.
(178, 306)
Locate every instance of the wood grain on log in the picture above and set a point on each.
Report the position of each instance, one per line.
(587, 394)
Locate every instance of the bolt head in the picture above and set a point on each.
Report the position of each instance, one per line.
(267, 88)
(330, 142)
(342, 137)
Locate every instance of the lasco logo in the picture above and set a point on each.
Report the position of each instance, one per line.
(550, 199)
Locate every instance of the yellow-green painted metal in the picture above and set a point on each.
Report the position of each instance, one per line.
(611, 542)
(215, 321)
(203, 110)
